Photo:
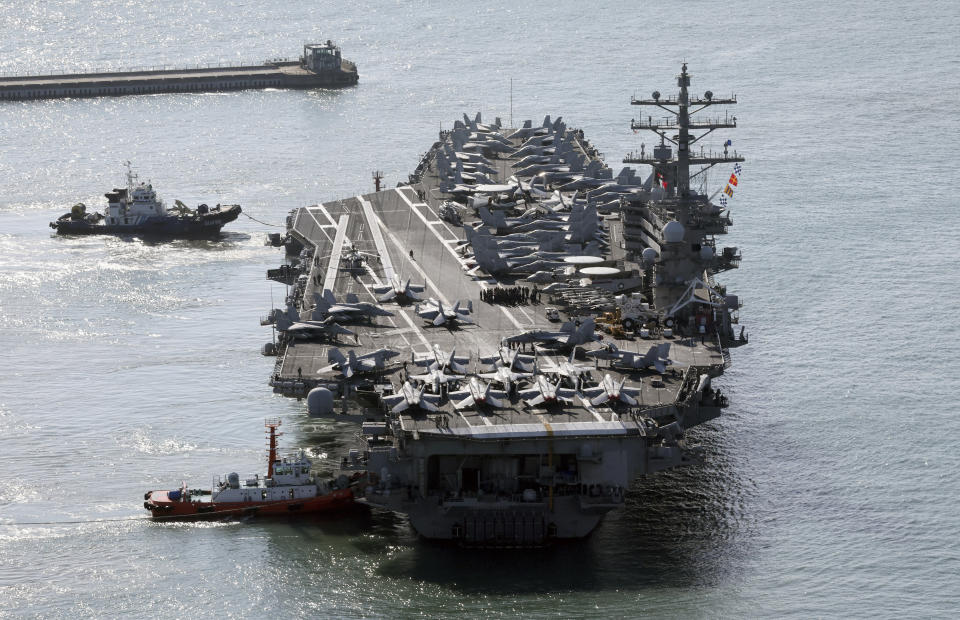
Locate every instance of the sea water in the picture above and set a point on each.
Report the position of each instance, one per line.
(830, 484)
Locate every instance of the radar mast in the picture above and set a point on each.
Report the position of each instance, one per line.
(674, 172)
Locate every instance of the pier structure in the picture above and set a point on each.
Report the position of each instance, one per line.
(320, 66)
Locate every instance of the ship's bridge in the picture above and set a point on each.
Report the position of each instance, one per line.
(320, 57)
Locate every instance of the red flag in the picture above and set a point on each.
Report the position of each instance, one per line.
(733, 180)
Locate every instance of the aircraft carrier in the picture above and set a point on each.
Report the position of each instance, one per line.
(516, 332)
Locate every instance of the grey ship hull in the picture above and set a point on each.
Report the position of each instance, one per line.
(520, 474)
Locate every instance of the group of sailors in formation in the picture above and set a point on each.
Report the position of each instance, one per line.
(510, 295)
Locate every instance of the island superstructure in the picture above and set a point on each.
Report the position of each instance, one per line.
(420, 314)
(321, 65)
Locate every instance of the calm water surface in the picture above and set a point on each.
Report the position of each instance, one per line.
(830, 484)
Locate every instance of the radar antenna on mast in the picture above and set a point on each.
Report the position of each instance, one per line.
(131, 177)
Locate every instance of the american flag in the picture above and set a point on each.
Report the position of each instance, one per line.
(737, 169)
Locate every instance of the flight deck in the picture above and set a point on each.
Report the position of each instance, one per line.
(423, 247)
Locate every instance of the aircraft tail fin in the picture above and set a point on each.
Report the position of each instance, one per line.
(496, 220)
(324, 300)
(583, 333)
(335, 356)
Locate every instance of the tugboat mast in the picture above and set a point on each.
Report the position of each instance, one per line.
(131, 177)
(272, 433)
(675, 172)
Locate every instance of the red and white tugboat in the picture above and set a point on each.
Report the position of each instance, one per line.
(288, 488)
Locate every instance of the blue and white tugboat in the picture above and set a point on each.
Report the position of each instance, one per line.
(136, 210)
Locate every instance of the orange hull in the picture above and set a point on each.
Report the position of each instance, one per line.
(162, 507)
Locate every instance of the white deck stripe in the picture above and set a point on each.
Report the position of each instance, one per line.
(320, 226)
(333, 265)
(374, 222)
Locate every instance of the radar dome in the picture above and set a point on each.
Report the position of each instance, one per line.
(319, 402)
(706, 252)
(649, 255)
(673, 232)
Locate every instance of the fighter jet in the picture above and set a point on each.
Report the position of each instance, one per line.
(443, 360)
(461, 188)
(350, 364)
(655, 356)
(505, 375)
(464, 141)
(477, 125)
(543, 391)
(611, 390)
(460, 175)
(528, 130)
(594, 174)
(477, 393)
(556, 286)
(510, 358)
(398, 290)
(316, 330)
(409, 396)
(433, 311)
(289, 323)
(570, 334)
(499, 221)
(560, 166)
(567, 368)
(351, 309)
(489, 258)
(435, 377)
(540, 277)
(474, 158)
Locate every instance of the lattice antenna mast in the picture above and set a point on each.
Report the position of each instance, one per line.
(675, 171)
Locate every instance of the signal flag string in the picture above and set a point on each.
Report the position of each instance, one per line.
(732, 182)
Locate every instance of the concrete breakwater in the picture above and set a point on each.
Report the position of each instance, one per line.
(320, 66)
